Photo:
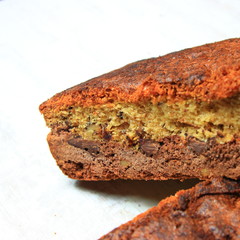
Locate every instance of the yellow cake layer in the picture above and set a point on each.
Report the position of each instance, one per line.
(125, 122)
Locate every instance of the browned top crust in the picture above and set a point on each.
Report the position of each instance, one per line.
(210, 210)
(205, 73)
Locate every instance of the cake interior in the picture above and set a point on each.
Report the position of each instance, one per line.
(130, 122)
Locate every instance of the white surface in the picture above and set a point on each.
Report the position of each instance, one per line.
(47, 46)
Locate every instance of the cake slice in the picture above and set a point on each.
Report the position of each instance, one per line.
(172, 117)
(210, 210)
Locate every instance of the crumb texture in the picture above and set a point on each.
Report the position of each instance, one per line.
(210, 210)
(170, 158)
(131, 122)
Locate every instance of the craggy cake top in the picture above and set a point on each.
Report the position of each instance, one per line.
(205, 73)
(210, 210)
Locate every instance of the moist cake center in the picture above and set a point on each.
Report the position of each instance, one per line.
(130, 122)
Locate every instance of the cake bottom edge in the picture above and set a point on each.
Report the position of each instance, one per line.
(172, 157)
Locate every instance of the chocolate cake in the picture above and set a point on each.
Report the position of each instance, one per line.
(210, 210)
(172, 117)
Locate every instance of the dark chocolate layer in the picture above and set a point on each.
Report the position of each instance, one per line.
(173, 157)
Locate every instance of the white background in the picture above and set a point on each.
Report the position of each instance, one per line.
(47, 46)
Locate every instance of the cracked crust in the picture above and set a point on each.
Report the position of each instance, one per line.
(205, 73)
(210, 210)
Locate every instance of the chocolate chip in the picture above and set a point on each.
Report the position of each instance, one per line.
(107, 135)
(197, 147)
(220, 134)
(120, 115)
(89, 146)
(149, 147)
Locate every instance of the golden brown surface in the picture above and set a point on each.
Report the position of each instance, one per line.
(205, 73)
(210, 210)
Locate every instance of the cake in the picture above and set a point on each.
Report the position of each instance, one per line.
(210, 210)
(175, 116)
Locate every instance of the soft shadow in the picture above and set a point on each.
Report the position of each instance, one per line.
(149, 190)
